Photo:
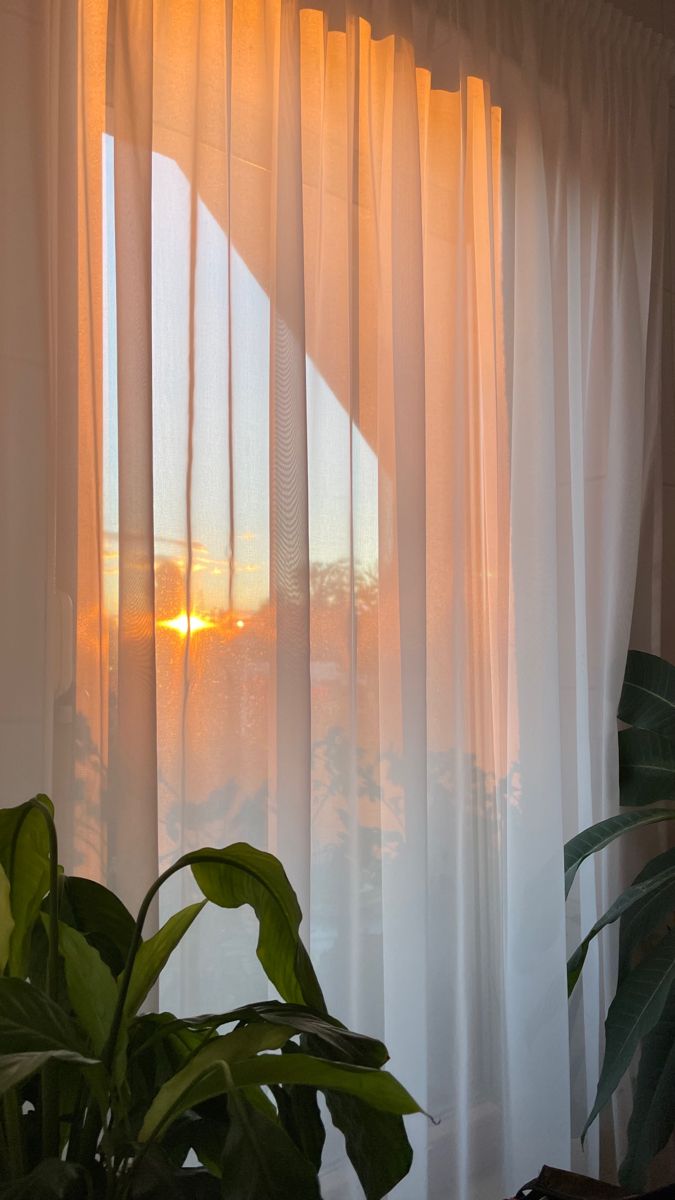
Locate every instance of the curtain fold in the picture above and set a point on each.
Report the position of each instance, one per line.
(350, 507)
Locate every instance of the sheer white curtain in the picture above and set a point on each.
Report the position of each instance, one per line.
(353, 330)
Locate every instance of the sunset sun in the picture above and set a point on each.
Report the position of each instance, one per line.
(184, 624)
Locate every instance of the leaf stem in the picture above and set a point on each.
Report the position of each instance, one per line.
(50, 1094)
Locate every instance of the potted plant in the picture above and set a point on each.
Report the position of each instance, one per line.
(642, 1013)
(102, 1101)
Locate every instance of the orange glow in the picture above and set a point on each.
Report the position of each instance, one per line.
(186, 625)
(240, 624)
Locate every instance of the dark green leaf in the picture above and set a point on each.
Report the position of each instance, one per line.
(156, 1178)
(648, 695)
(240, 875)
(653, 1118)
(633, 1013)
(596, 837)
(202, 1132)
(197, 1184)
(664, 882)
(350, 1047)
(646, 767)
(51, 1180)
(100, 916)
(376, 1142)
(260, 1160)
(158, 1048)
(91, 988)
(649, 915)
(33, 1030)
(203, 1076)
(300, 1116)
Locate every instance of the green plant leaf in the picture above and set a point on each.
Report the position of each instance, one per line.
(376, 1087)
(52, 1179)
(154, 953)
(658, 883)
(376, 1142)
(98, 914)
(203, 1132)
(24, 855)
(350, 1047)
(649, 914)
(30, 1021)
(154, 1177)
(240, 874)
(33, 1030)
(261, 1162)
(202, 1077)
(15, 1068)
(646, 767)
(596, 837)
(633, 1013)
(653, 1117)
(648, 694)
(298, 1111)
(300, 1116)
(6, 919)
(92, 991)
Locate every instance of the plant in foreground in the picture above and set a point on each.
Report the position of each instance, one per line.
(101, 1102)
(642, 1013)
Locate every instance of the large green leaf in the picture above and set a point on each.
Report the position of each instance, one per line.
(633, 1013)
(646, 767)
(596, 837)
(348, 1046)
(33, 1030)
(201, 1131)
(24, 855)
(91, 988)
(154, 953)
(154, 1177)
(52, 1179)
(240, 874)
(300, 1116)
(648, 916)
(261, 1162)
(648, 695)
(661, 883)
(15, 1068)
(6, 919)
(653, 1117)
(298, 1111)
(203, 1076)
(98, 914)
(378, 1088)
(376, 1142)
(29, 1020)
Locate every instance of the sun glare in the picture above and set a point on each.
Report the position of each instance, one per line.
(184, 624)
